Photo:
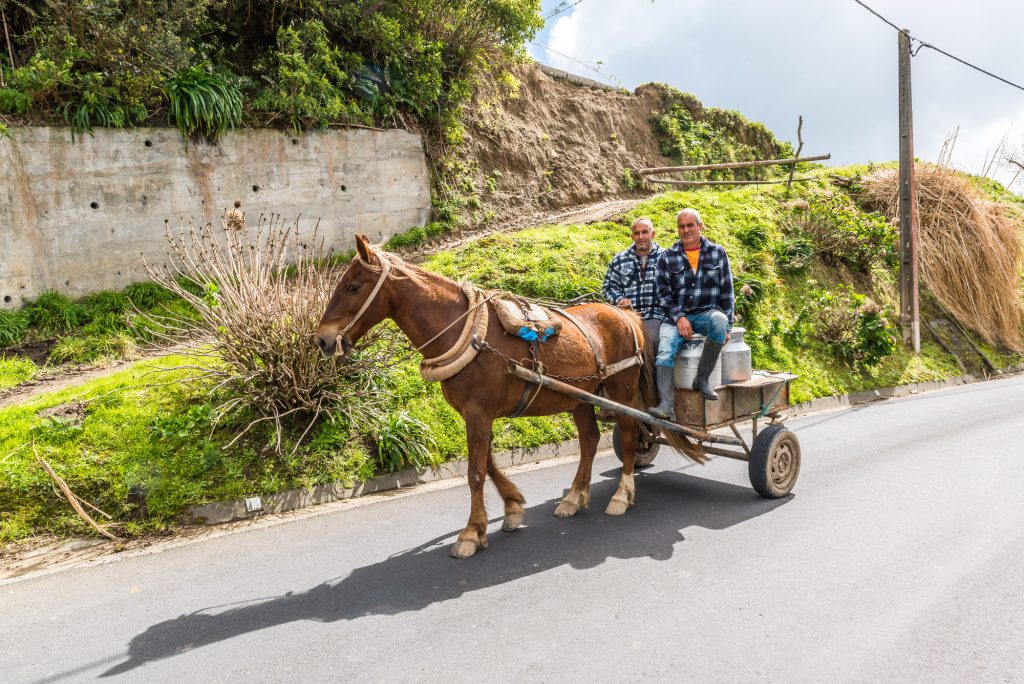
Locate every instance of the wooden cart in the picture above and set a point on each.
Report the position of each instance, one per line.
(772, 455)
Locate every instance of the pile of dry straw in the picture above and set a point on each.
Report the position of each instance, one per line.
(971, 249)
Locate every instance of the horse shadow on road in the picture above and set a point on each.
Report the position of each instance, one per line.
(667, 503)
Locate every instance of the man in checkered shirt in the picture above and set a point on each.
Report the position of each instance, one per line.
(695, 291)
(631, 280)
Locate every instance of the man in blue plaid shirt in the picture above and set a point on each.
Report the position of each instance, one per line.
(631, 280)
(695, 290)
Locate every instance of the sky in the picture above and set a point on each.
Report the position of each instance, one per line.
(830, 61)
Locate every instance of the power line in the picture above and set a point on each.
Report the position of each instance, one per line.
(976, 68)
(562, 9)
(921, 44)
(878, 15)
(570, 57)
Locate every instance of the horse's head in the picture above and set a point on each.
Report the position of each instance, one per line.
(359, 301)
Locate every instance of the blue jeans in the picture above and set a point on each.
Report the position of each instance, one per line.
(712, 324)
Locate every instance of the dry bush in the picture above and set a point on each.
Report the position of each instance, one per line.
(970, 249)
(259, 294)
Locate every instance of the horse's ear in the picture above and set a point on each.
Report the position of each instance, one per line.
(363, 248)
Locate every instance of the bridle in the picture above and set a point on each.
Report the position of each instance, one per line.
(384, 272)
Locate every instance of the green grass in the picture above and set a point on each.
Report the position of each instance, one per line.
(104, 326)
(15, 370)
(13, 325)
(147, 430)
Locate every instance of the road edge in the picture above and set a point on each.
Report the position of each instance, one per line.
(218, 519)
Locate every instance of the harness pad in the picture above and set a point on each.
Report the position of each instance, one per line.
(525, 319)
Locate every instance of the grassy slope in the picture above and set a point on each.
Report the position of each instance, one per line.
(183, 464)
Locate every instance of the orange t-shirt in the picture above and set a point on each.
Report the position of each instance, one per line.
(694, 256)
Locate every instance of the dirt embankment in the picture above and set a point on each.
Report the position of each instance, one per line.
(556, 144)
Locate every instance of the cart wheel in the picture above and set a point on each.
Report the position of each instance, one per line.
(646, 447)
(774, 462)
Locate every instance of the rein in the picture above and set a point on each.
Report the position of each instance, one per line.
(384, 271)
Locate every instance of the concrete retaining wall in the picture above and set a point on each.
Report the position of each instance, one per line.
(76, 216)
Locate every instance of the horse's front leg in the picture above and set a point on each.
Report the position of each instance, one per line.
(579, 493)
(625, 495)
(510, 494)
(478, 439)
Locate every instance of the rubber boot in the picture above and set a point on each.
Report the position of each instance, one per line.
(665, 377)
(708, 359)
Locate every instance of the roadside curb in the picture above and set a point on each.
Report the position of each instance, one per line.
(882, 393)
(230, 511)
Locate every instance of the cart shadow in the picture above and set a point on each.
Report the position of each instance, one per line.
(667, 502)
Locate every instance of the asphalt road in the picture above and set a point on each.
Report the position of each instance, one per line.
(899, 557)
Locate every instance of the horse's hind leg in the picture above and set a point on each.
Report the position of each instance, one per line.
(478, 439)
(579, 493)
(510, 494)
(625, 495)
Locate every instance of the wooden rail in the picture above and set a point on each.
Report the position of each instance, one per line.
(694, 183)
(732, 165)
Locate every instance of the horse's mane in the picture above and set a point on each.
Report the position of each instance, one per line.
(400, 269)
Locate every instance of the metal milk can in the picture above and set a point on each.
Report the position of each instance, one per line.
(687, 361)
(736, 365)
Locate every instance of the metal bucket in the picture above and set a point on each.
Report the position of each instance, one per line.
(736, 363)
(687, 361)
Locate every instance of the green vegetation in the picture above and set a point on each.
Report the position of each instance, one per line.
(15, 370)
(105, 325)
(146, 433)
(203, 103)
(693, 134)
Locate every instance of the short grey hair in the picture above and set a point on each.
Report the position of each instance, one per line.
(642, 219)
(692, 212)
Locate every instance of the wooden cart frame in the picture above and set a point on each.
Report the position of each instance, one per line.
(773, 454)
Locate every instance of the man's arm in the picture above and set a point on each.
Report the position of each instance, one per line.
(613, 288)
(665, 296)
(727, 298)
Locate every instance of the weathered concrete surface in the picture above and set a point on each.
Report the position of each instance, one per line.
(76, 216)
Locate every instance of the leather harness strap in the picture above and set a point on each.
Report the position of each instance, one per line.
(638, 357)
(530, 393)
(604, 371)
(590, 340)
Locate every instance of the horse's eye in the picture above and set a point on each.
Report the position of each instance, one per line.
(353, 287)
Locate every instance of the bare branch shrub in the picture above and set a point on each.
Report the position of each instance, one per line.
(259, 294)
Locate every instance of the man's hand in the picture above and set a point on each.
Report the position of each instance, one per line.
(728, 336)
(625, 303)
(684, 327)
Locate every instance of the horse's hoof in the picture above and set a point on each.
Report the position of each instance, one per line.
(463, 549)
(566, 510)
(512, 522)
(616, 507)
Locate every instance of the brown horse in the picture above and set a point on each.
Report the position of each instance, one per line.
(429, 309)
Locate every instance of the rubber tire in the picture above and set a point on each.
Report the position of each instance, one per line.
(774, 441)
(644, 459)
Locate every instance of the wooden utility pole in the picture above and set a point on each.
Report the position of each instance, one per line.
(910, 317)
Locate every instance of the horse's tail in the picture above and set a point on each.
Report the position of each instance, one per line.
(648, 395)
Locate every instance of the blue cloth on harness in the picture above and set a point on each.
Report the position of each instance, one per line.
(531, 335)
